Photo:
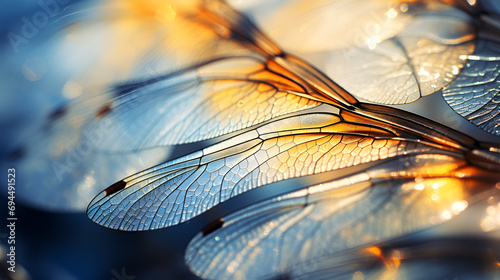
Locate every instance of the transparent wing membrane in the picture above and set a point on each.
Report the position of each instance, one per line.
(240, 79)
(199, 103)
(393, 52)
(291, 147)
(367, 173)
(325, 220)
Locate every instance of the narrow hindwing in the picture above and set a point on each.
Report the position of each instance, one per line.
(292, 233)
(290, 147)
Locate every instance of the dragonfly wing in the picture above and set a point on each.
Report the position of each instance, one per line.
(306, 27)
(68, 181)
(214, 78)
(88, 49)
(410, 257)
(198, 103)
(63, 169)
(300, 229)
(419, 61)
(392, 53)
(474, 94)
(291, 147)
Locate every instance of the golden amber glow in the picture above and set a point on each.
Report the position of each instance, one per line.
(166, 14)
(459, 206)
(419, 186)
(396, 258)
(488, 224)
(392, 263)
(253, 90)
(374, 250)
(446, 215)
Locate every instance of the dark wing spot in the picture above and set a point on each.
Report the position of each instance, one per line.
(116, 187)
(212, 227)
(104, 110)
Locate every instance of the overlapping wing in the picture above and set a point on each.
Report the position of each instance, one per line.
(291, 147)
(392, 53)
(61, 163)
(300, 229)
(411, 257)
(420, 60)
(181, 92)
(198, 103)
(474, 94)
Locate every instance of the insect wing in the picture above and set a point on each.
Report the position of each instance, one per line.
(474, 94)
(198, 103)
(290, 147)
(393, 52)
(300, 229)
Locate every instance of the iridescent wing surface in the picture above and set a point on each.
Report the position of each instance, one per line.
(65, 151)
(444, 256)
(396, 52)
(294, 146)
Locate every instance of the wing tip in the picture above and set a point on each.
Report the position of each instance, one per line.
(91, 207)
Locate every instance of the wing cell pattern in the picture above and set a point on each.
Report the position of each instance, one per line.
(176, 191)
(474, 94)
(419, 61)
(393, 52)
(199, 103)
